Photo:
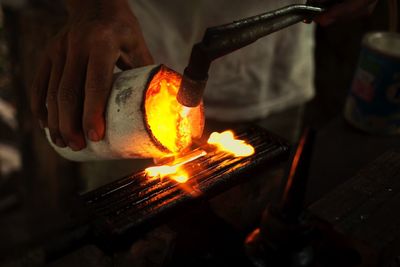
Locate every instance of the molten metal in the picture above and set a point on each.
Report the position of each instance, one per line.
(170, 122)
(225, 142)
(174, 171)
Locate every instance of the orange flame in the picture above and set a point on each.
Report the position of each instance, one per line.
(166, 117)
(180, 177)
(226, 142)
(174, 171)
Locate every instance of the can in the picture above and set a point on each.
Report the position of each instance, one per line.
(373, 103)
(128, 133)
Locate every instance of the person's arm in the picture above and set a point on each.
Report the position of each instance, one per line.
(346, 10)
(75, 77)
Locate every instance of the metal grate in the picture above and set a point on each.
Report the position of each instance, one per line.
(134, 201)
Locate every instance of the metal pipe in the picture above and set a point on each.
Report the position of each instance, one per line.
(222, 40)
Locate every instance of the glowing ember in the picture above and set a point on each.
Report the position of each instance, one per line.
(226, 141)
(168, 120)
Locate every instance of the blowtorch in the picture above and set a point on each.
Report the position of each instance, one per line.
(221, 40)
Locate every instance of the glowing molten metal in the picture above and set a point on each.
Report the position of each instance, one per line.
(227, 142)
(173, 171)
(221, 141)
(170, 123)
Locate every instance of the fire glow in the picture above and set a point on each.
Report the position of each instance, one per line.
(170, 122)
(224, 141)
(173, 171)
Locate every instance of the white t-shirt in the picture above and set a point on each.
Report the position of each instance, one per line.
(272, 74)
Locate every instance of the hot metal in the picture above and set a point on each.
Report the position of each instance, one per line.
(113, 215)
(135, 202)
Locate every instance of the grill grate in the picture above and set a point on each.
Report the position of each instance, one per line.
(134, 201)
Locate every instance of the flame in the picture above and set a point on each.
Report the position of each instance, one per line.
(166, 117)
(226, 141)
(174, 171)
(161, 171)
(185, 111)
(180, 177)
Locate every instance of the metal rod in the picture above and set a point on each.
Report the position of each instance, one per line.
(222, 40)
(292, 201)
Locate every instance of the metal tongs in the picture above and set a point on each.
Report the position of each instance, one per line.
(224, 39)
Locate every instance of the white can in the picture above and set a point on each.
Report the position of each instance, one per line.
(373, 104)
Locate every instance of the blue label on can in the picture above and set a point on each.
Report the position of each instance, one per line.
(374, 100)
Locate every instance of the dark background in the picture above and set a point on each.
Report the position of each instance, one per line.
(41, 189)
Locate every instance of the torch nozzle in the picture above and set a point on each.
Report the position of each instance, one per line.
(191, 91)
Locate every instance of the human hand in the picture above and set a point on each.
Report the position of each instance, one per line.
(345, 10)
(71, 87)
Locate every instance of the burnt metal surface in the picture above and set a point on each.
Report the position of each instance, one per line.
(124, 207)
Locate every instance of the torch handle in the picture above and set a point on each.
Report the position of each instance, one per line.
(224, 39)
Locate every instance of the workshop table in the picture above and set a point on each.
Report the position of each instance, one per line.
(340, 152)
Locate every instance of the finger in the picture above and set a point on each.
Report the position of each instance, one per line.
(99, 77)
(52, 101)
(70, 100)
(39, 92)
